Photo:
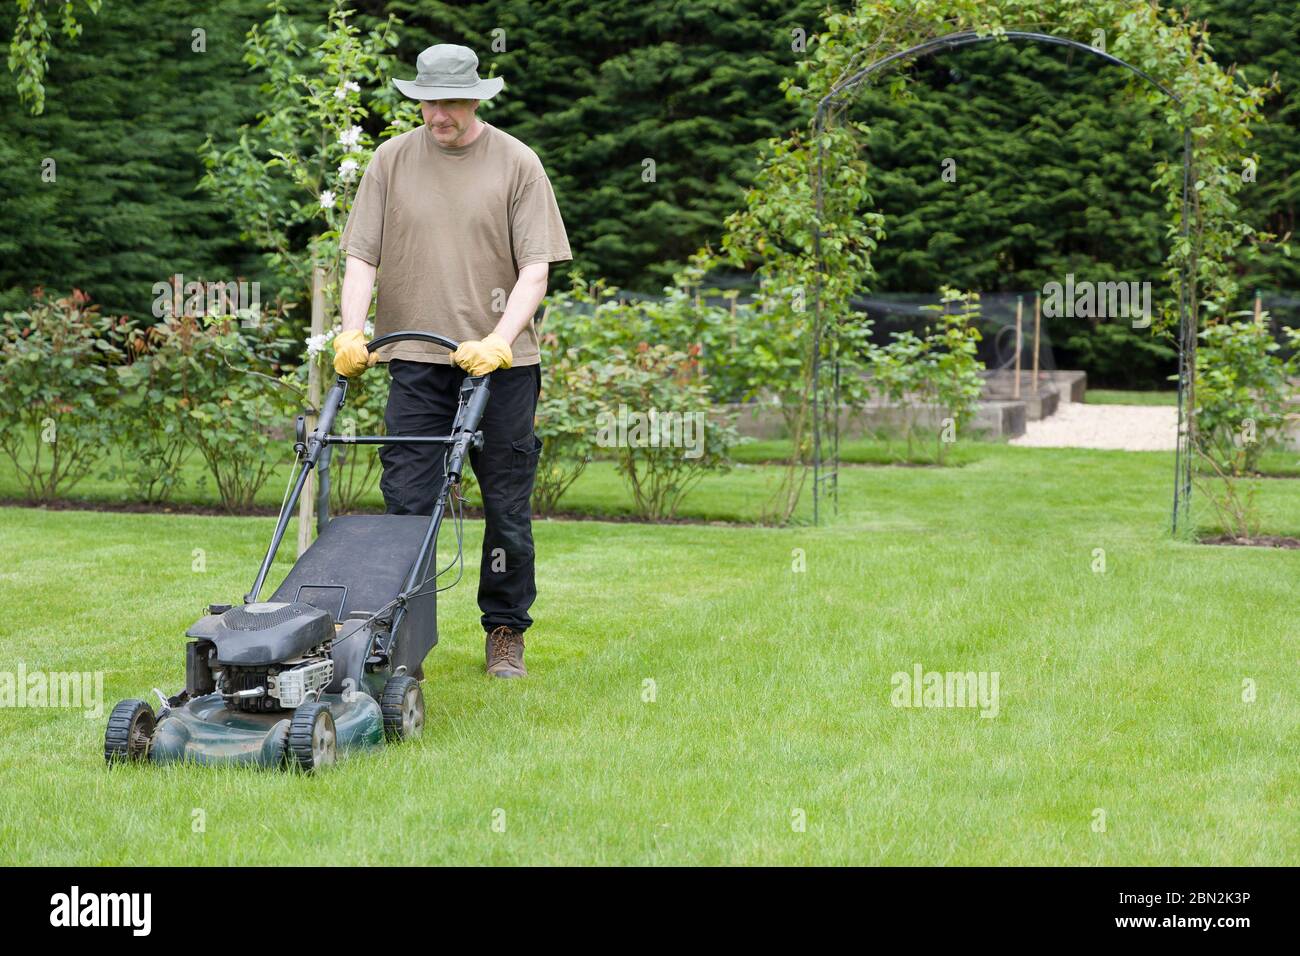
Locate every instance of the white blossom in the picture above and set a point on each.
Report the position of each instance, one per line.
(314, 344)
(350, 137)
(327, 199)
(348, 170)
(348, 87)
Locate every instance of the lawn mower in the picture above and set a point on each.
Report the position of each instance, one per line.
(332, 661)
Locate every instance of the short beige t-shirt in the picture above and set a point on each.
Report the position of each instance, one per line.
(449, 229)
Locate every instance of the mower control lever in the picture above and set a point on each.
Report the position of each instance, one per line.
(476, 404)
(474, 396)
(329, 408)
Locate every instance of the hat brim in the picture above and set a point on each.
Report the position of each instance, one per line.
(482, 90)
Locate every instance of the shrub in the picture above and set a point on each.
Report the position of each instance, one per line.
(895, 376)
(572, 398)
(158, 386)
(940, 368)
(590, 319)
(54, 365)
(1241, 392)
(950, 370)
(676, 355)
(658, 419)
(236, 398)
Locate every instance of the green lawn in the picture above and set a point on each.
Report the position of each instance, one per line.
(1110, 396)
(870, 451)
(1119, 691)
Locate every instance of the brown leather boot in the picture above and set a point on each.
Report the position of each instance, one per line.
(505, 653)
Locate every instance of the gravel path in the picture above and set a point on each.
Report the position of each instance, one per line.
(1127, 427)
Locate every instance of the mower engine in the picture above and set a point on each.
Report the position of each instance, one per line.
(270, 656)
(274, 688)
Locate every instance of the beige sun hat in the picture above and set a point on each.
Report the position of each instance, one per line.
(449, 72)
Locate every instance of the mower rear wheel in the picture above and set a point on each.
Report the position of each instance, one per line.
(130, 728)
(313, 742)
(403, 705)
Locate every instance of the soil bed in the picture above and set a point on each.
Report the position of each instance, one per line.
(1260, 541)
(266, 511)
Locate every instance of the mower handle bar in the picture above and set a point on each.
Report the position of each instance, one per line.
(474, 396)
(334, 400)
(430, 337)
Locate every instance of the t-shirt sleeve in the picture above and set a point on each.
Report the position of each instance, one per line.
(537, 231)
(364, 234)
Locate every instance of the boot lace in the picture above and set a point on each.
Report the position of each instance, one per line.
(502, 643)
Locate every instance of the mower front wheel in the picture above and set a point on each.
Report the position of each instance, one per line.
(403, 705)
(313, 742)
(130, 728)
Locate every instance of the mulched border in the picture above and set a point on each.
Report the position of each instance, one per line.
(266, 511)
(1260, 541)
(137, 507)
(864, 464)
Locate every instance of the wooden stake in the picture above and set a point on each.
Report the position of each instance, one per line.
(307, 503)
(1038, 312)
(1020, 311)
(1259, 308)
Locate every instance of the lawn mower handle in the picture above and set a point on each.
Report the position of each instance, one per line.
(334, 398)
(431, 337)
(477, 393)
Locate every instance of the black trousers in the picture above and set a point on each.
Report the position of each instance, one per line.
(422, 400)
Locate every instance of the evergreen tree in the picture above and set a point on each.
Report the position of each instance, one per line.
(126, 108)
(599, 89)
(1009, 166)
(1263, 38)
(1052, 161)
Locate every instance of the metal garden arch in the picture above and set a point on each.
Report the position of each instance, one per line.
(827, 472)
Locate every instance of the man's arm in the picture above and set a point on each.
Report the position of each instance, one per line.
(492, 352)
(351, 357)
(527, 294)
(358, 283)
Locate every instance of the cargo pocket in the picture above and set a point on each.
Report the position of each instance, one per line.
(525, 454)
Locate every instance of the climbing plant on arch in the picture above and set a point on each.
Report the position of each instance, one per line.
(807, 224)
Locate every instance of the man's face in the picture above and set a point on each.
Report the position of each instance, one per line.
(449, 120)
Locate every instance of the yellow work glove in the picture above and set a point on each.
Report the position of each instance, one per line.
(481, 357)
(351, 357)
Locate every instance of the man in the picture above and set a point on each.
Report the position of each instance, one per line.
(459, 221)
